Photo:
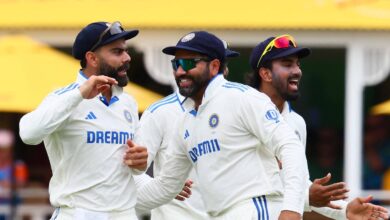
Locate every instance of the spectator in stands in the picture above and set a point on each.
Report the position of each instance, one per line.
(376, 151)
(13, 174)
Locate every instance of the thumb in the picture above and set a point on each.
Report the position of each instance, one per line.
(323, 180)
(365, 199)
(130, 143)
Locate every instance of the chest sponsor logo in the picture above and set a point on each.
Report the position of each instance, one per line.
(203, 148)
(108, 137)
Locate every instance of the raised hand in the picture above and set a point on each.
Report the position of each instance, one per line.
(361, 209)
(136, 156)
(95, 85)
(321, 195)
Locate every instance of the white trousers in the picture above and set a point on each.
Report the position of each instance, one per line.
(258, 208)
(83, 214)
(175, 212)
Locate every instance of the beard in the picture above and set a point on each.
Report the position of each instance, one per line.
(198, 82)
(282, 88)
(110, 71)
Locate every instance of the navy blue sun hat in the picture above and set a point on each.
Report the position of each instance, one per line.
(98, 34)
(201, 42)
(275, 53)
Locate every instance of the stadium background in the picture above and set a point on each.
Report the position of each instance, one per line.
(344, 79)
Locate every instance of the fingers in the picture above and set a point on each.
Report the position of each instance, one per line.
(336, 188)
(188, 183)
(95, 85)
(186, 191)
(136, 156)
(335, 191)
(334, 206)
(365, 199)
(323, 180)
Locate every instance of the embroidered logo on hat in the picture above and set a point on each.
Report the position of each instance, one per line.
(188, 37)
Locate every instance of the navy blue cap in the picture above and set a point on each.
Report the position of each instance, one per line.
(275, 53)
(88, 37)
(228, 52)
(201, 42)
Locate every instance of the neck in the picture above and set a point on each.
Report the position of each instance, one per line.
(198, 98)
(274, 96)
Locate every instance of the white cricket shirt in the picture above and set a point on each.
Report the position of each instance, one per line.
(156, 129)
(223, 140)
(85, 140)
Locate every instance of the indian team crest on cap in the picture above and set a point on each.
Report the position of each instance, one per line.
(188, 37)
(128, 116)
(214, 120)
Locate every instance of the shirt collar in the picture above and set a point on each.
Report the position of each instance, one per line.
(286, 108)
(211, 90)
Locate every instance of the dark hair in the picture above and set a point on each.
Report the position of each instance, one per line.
(83, 63)
(222, 66)
(253, 79)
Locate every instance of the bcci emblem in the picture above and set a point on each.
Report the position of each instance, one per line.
(128, 116)
(272, 115)
(214, 120)
(188, 37)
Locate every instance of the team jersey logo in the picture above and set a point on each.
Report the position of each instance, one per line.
(186, 134)
(272, 115)
(188, 37)
(214, 120)
(128, 116)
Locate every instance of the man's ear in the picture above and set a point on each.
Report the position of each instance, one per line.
(214, 67)
(265, 74)
(91, 58)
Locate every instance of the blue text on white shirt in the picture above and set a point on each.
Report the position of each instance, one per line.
(203, 148)
(108, 137)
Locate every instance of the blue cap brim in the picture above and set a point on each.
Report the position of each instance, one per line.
(172, 50)
(124, 35)
(231, 53)
(301, 52)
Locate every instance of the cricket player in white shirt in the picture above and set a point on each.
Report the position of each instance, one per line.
(221, 136)
(276, 65)
(86, 128)
(156, 129)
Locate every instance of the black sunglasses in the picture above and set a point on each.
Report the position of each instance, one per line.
(187, 64)
(114, 28)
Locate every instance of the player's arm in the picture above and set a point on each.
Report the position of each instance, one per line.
(56, 108)
(185, 193)
(170, 182)
(265, 122)
(149, 134)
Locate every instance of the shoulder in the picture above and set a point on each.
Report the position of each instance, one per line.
(66, 89)
(129, 101)
(169, 103)
(298, 119)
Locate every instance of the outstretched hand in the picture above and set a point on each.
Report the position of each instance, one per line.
(95, 85)
(321, 195)
(361, 209)
(136, 156)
